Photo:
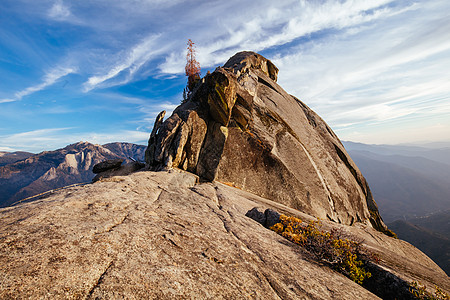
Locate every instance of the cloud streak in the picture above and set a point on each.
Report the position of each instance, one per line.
(278, 25)
(135, 58)
(49, 79)
(376, 74)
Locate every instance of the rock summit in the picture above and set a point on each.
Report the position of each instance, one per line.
(240, 127)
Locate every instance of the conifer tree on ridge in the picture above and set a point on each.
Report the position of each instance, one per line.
(192, 67)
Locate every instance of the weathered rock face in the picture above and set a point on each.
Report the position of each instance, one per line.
(239, 126)
(163, 235)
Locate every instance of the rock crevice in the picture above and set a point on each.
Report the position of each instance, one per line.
(99, 281)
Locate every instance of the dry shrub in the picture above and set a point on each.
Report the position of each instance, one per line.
(331, 247)
(420, 292)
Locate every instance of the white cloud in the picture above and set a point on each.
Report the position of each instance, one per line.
(386, 71)
(416, 133)
(33, 141)
(357, 63)
(276, 25)
(360, 62)
(135, 58)
(6, 149)
(59, 11)
(151, 111)
(49, 79)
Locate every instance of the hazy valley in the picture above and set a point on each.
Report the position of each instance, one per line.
(411, 185)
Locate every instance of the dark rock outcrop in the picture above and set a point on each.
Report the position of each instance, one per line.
(257, 214)
(267, 218)
(272, 217)
(120, 170)
(107, 165)
(239, 126)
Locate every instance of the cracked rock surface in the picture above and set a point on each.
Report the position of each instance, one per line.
(163, 235)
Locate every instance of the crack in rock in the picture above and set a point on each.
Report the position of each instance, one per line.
(99, 280)
(119, 223)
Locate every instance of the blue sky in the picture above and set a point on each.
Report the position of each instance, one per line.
(99, 71)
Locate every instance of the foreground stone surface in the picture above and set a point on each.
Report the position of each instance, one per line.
(239, 126)
(162, 235)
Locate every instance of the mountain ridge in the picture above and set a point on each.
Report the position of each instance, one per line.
(412, 192)
(436, 246)
(54, 169)
(440, 155)
(12, 157)
(403, 192)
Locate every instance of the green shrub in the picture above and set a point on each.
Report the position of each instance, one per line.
(330, 247)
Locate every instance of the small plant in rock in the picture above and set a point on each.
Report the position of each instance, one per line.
(420, 292)
(331, 247)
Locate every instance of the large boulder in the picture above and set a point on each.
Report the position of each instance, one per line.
(239, 126)
(121, 170)
(107, 165)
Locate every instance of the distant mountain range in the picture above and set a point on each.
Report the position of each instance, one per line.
(407, 181)
(438, 152)
(12, 157)
(430, 234)
(411, 186)
(25, 174)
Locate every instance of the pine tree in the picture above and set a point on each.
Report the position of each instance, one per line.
(192, 67)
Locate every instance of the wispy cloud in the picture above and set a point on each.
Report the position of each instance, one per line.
(33, 141)
(49, 79)
(131, 136)
(59, 11)
(151, 111)
(134, 59)
(277, 25)
(416, 132)
(6, 149)
(376, 74)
